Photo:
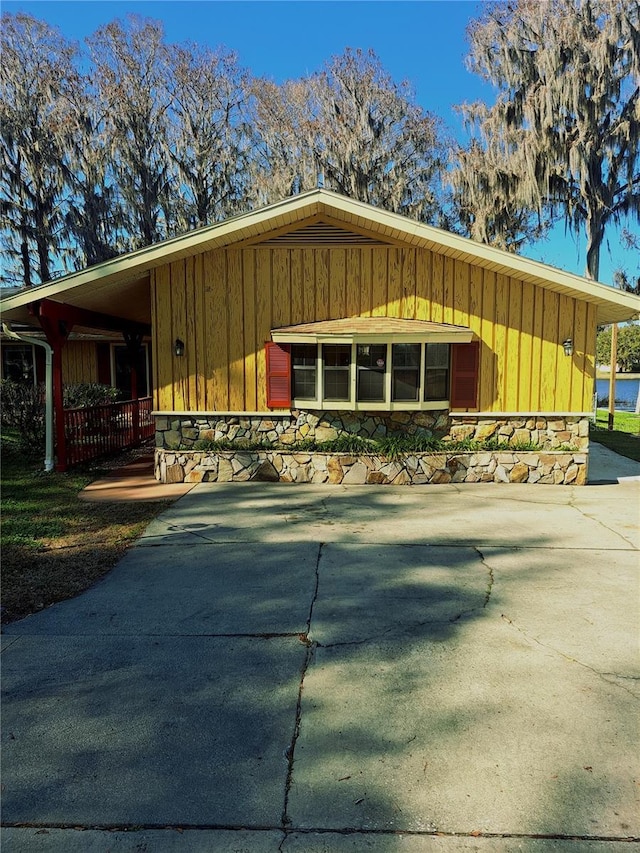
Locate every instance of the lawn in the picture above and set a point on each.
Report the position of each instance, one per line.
(54, 545)
(624, 438)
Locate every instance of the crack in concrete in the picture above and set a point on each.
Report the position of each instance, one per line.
(487, 594)
(316, 830)
(597, 520)
(309, 654)
(491, 581)
(612, 679)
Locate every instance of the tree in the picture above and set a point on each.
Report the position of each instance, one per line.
(484, 198)
(566, 121)
(96, 219)
(131, 81)
(359, 128)
(621, 277)
(37, 74)
(206, 135)
(628, 347)
(283, 162)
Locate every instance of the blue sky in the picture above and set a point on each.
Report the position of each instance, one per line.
(421, 41)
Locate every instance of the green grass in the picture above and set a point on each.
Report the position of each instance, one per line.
(54, 545)
(624, 438)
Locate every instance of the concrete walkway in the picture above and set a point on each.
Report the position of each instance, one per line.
(306, 668)
(133, 482)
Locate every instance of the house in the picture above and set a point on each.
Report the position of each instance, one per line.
(321, 315)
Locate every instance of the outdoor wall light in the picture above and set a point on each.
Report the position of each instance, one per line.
(178, 347)
(568, 346)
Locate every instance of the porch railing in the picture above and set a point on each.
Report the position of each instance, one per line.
(96, 431)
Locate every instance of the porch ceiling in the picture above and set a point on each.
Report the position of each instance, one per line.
(128, 299)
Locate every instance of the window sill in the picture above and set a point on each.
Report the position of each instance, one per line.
(349, 406)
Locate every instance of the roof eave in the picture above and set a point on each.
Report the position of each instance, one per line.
(612, 305)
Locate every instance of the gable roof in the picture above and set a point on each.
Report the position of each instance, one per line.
(121, 285)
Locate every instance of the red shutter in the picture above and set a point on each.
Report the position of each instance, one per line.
(278, 376)
(464, 375)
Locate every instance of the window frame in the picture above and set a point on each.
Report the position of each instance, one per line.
(23, 346)
(387, 404)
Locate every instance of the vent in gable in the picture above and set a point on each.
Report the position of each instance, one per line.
(322, 234)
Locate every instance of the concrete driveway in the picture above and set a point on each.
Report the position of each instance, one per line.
(304, 668)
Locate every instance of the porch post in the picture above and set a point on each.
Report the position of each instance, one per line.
(133, 341)
(613, 365)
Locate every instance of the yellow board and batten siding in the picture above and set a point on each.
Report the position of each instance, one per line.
(224, 303)
(79, 362)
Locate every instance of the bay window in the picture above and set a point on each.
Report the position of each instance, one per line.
(372, 364)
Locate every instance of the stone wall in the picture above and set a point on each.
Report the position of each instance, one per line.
(545, 467)
(548, 432)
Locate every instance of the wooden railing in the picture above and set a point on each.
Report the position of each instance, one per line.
(96, 431)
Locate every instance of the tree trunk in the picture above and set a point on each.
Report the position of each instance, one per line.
(595, 236)
(26, 262)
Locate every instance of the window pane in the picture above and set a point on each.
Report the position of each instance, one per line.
(336, 384)
(17, 363)
(337, 371)
(436, 373)
(436, 384)
(406, 355)
(303, 358)
(406, 372)
(371, 360)
(303, 355)
(406, 384)
(304, 384)
(437, 355)
(370, 386)
(336, 355)
(372, 355)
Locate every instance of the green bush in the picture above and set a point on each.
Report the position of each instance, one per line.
(88, 394)
(23, 409)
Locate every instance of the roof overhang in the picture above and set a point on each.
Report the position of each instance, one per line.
(121, 285)
(371, 330)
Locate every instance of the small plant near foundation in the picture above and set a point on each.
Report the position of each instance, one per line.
(348, 444)
(392, 447)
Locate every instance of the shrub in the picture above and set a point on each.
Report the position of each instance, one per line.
(393, 447)
(23, 409)
(87, 394)
(348, 444)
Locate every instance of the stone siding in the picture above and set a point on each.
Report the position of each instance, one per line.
(548, 432)
(544, 467)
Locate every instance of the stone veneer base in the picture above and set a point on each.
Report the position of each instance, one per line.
(549, 432)
(199, 466)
